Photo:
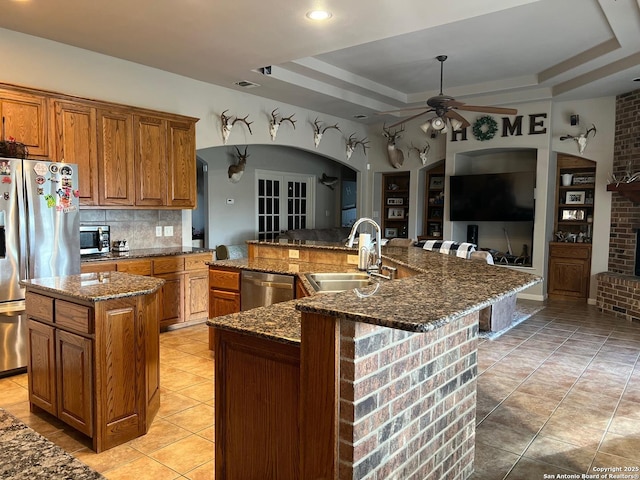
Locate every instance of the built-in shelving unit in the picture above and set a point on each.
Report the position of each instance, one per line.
(570, 262)
(575, 195)
(433, 204)
(395, 204)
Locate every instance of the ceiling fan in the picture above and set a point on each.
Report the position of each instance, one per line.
(445, 108)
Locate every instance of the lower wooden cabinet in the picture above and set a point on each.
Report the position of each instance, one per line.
(257, 407)
(95, 367)
(569, 270)
(172, 299)
(184, 298)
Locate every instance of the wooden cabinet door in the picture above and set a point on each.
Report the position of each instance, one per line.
(74, 141)
(75, 381)
(257, 408)
(568, 277)
(42, 366)
(181, 180)
(150, 160)
(115, 158)
(198, 294)
(224, 303)
(172, 299)
(24, 118)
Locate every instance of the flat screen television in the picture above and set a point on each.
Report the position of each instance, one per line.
(495, 197)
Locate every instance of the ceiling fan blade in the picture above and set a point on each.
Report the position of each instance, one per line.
(482, 109)
(457, 116)
(408, 109)
(410, 118)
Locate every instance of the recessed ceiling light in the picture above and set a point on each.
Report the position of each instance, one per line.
(318, 15)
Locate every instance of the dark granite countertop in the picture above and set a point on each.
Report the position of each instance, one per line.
(96, 287)
(27, 455)
(444, 288)
(144, 252)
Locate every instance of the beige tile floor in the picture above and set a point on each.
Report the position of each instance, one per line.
(560, 393)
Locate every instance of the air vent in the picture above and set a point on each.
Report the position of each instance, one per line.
(246, 84)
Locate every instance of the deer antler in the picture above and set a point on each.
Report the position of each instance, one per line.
(290, 120)
(224, 118)
(353, 142)
(592, 129)
(243, 120)
(331, 126)
(392, 135)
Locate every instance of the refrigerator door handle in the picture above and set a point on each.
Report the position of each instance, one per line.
(23, 258)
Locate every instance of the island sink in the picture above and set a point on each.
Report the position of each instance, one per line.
(338, 282)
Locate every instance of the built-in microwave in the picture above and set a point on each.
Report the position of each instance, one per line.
(94, 239)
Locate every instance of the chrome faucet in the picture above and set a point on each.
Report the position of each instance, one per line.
(354, 229)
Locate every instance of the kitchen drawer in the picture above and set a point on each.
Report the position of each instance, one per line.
(570, 250)
(136, 267)
(169, 264)
(225, 279)
(74, 317)
(39, 307)
(97, 267)
(197, 261)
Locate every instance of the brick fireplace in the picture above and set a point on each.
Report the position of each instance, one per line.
(619, 288)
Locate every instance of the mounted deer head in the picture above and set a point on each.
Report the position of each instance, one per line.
(318, 131)
(422, 154)
(236, 170)
(581, 139)
(353, 142)
(394, 154)
(275, 123)
(229, 122)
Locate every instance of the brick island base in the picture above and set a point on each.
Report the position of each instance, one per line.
(406, 401)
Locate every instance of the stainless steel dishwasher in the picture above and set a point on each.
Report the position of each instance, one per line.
(258, 289)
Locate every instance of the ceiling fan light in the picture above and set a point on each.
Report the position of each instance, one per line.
(426, 126)
(437, 123)
(455, 124)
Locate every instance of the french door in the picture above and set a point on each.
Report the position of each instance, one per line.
(285, 201)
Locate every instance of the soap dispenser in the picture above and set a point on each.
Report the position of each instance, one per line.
(364, 250)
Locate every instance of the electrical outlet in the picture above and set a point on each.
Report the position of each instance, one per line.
(158, 231)
(294, 253)
(168, 231)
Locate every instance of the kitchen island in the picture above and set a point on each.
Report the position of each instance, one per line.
(94, 345)
(381, 380)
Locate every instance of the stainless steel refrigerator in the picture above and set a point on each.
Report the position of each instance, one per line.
(39, 237)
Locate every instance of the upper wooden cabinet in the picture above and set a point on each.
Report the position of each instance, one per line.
(182, 163)
(24, 117)
(127, 157)
(73, 140)
(151, 161)
(115, 158)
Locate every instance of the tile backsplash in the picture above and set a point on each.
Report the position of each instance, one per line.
(138, 227)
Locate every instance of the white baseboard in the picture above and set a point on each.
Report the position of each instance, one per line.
(530, 296)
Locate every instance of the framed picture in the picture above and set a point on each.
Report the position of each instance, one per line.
(390, 232)
(574, 198)
(395, 201)
(436, 183)
(577, 215)
(396, 213)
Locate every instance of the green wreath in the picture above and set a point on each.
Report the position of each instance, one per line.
(485, 128)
